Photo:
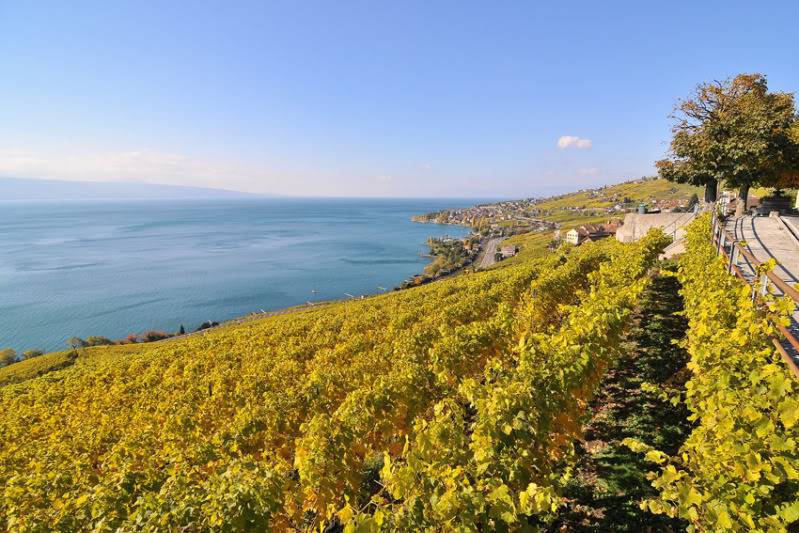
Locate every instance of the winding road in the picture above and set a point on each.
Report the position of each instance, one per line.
(487, 255)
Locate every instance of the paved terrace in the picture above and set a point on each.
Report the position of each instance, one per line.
(772, 238)
(769, 238)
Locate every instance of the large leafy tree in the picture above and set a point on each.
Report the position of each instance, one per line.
(736, 131)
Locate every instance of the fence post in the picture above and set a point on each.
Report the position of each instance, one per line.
(721, 241)
(733, 257)
(763, 284)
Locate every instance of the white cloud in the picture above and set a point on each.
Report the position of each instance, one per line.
(571, 141)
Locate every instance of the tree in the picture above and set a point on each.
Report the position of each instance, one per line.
(208, 324)
(30, 354)
(7, 356)
(736, 131)
(182, 330)
(75, 343)
(96, 340)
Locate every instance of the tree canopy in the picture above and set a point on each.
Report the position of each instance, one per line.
(30, 354)
(76, 342)
(734, 131)
(7, 356)
(96, 340)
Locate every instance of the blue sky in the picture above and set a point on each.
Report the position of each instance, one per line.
(368, 98)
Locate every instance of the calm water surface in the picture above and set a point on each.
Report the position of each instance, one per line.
(115, 268)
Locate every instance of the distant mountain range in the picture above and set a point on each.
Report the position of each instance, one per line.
(39, 189)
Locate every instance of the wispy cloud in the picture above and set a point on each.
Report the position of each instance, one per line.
(125, 166)
(571, 141)
(590, 171)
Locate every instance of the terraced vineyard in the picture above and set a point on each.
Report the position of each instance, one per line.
(739, 468)
(453, 405)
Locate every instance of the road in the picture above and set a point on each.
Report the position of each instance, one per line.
(486, 258)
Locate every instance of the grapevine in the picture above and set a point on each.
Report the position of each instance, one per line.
(739, 468)
(449, 405)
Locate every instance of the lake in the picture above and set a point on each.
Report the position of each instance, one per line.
(115, 268)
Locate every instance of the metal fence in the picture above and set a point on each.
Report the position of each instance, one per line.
(735, 254)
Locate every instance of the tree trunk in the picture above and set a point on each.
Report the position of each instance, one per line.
(710, 191)
(743, 196)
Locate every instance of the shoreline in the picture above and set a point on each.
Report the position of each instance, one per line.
(136, 268)
(119, 336)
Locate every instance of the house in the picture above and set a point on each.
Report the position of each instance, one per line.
(591, 232)
(508, 251)
(577, 235)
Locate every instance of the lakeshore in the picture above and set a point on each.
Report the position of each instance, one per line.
(116, 268)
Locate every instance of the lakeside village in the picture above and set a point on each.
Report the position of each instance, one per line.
(491, 223)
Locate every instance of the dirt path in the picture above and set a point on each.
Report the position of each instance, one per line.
(609, 480)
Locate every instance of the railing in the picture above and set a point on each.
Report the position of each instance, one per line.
(675, 226)
(673, 233)
(733, 251)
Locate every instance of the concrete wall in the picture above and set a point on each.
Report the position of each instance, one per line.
(636, 226)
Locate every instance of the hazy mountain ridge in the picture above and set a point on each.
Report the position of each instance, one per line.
(17, 189)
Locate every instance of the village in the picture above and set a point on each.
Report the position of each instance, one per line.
(623, 211)
(512, 217)
(603, 209)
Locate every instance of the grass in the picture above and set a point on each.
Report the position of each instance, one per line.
(637, 191)
(610, 480)
(531, 246)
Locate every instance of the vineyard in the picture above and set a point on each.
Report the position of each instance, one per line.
(739, 468)
(449, 406)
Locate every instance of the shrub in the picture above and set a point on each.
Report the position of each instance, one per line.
(7, 356)
(152, 336)
(98, 341)
(738, 470)
(30, 354)
(206, 325)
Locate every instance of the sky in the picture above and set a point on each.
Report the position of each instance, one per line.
(372, 98)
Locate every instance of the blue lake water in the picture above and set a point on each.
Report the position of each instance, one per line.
(115, 268)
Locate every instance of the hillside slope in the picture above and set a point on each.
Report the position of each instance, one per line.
(595, 206)
(649, 191)
(412, 409)
(16, 189)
